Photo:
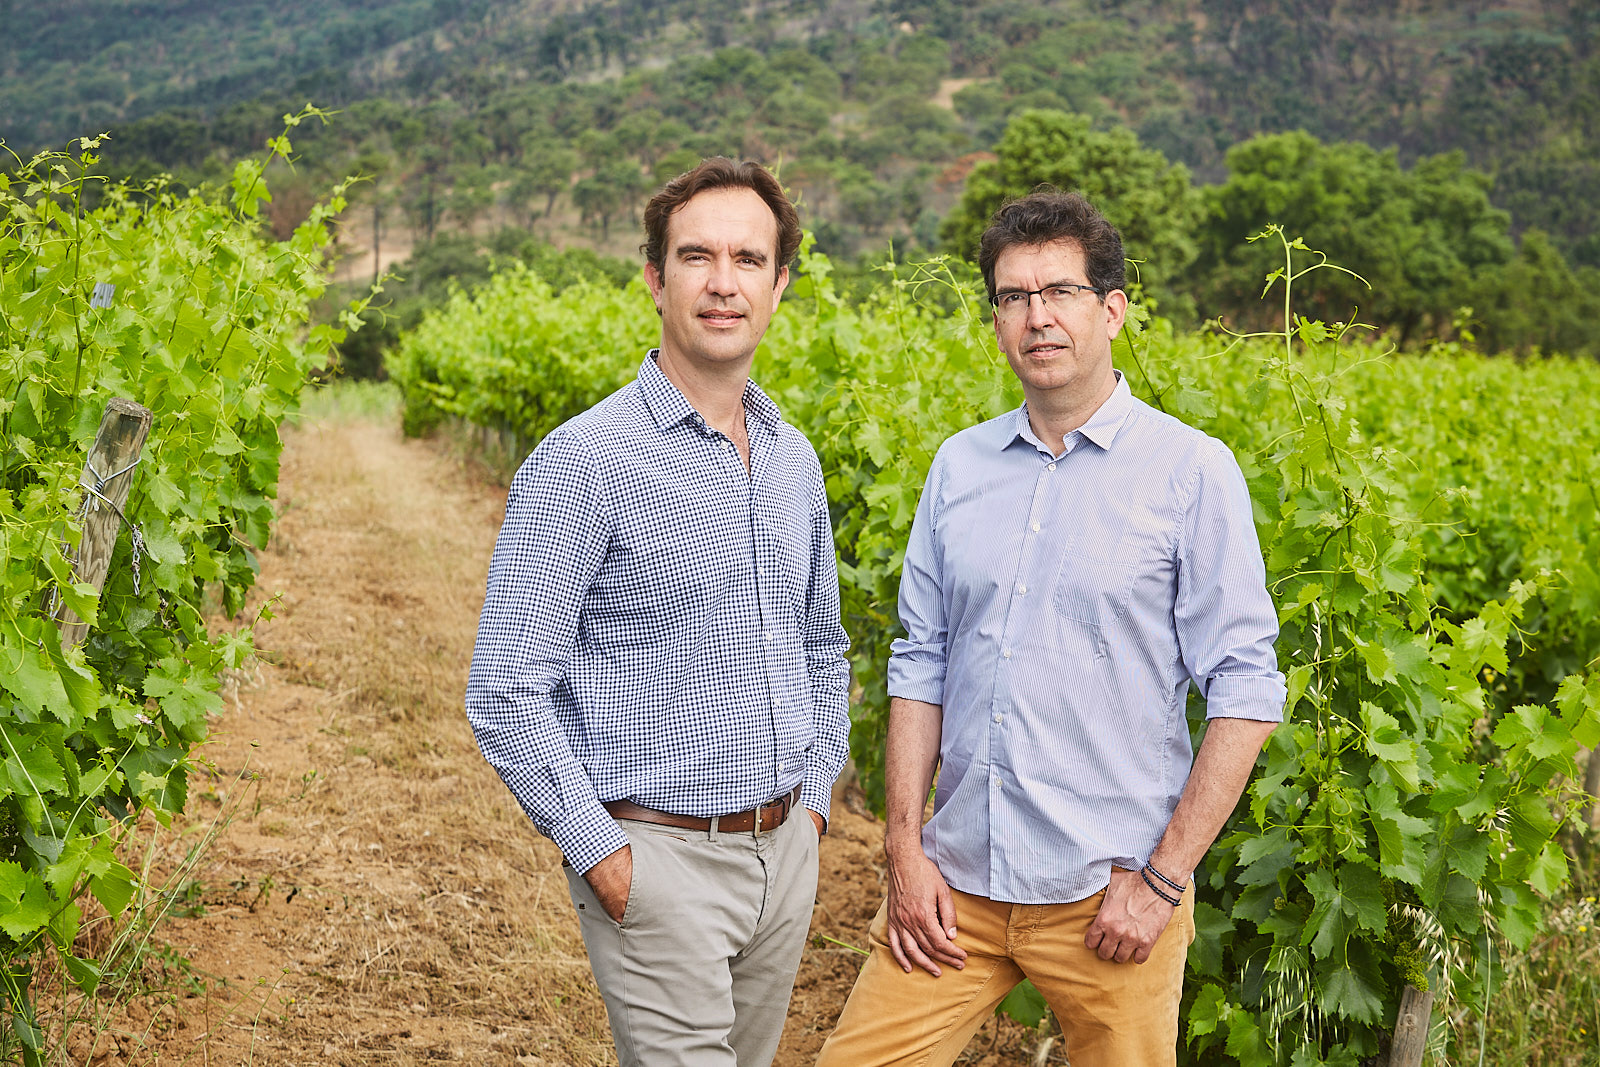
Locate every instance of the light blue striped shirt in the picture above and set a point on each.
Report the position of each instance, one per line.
(1058, 605)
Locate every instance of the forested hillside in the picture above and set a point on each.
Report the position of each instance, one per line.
(1471, 128)
(78, 66)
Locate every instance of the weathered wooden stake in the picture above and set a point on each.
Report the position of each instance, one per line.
(116, 448)
(1411, 1028)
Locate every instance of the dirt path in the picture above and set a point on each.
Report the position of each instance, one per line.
(377, 897)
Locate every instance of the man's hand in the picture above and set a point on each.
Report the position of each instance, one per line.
(922, 914)
(822, 827)
(610, 879)
(1131, 918)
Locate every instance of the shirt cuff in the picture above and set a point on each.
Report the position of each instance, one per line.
(816, 794)
(588, 836)
(917, 673)
(1258, 697)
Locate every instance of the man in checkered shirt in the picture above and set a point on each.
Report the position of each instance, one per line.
(659, 675)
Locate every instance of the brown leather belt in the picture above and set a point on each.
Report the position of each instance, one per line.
(759, 820)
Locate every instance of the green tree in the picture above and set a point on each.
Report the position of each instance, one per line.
(1150, 200)
(867, 202)
(546, 170)
(982, 107)
(609, 191)
(1538, 302)
(921, 62)
(675, 163)
(374, 169)
(471, 194)
(1418, 236)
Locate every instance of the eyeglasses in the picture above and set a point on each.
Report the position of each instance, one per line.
(1011, 304)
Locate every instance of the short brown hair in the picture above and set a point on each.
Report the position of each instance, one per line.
(720, 172)
(1047, 215)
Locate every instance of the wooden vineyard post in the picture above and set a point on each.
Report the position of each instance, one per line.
(107, 474)
(1411, 1028)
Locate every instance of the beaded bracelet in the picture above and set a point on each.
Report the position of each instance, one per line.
(1145, 874)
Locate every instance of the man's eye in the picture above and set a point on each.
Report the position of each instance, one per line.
(1060, 292)
(1011, 299)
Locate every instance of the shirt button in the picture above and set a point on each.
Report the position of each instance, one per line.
(998, 717)
(774, 703)
(1006, 652)
(1050, 466)
(1035, 527)
(1022, 590)
(995, 781)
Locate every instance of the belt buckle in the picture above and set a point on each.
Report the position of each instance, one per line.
(755, 829)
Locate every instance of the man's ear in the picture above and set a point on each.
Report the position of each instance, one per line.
(1116, 312)
(652, 281)
(780, 283)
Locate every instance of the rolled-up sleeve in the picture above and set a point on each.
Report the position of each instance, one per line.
(1225, 618)
(827, 668)
(917, 661)
(550, 547)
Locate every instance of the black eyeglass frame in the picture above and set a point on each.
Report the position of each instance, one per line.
(994, 301)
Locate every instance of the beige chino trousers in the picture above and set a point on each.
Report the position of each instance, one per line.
(699, 971)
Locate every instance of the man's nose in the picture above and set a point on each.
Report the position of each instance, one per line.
(1039, 313)
(723, 281)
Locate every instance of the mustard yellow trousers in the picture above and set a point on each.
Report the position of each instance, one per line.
(1112, 1014)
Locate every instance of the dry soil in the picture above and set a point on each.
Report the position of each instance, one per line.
(373, 895)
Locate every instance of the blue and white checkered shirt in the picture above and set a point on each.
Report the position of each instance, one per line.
(1058, 602)
(661, 625)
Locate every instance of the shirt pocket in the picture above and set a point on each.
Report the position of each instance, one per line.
(1093, 591)
(1100, 565)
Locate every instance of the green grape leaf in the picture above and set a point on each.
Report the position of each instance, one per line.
(1354, 990)
(82, 598)
(31, 768)
(1025, 1004)
(1549, 870)
(1578, 699)
(85, 974)
(113, 888)
(1330, 924)
(1390, 746)
(24, 901)
(1245, 1041)
(1207, 1012)
(185, 697)
(1213, 933)
(1530, 823)
(30, 677)
(1363, 896)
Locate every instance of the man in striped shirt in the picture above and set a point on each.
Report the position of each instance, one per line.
(1074, 566)
(659, 676)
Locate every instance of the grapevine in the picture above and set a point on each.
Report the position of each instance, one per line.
(178, 303)
(1436, 593)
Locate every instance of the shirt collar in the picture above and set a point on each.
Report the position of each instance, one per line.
(1102, 427)
(669, 407)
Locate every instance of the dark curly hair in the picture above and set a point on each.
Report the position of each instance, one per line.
(1046, 215)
